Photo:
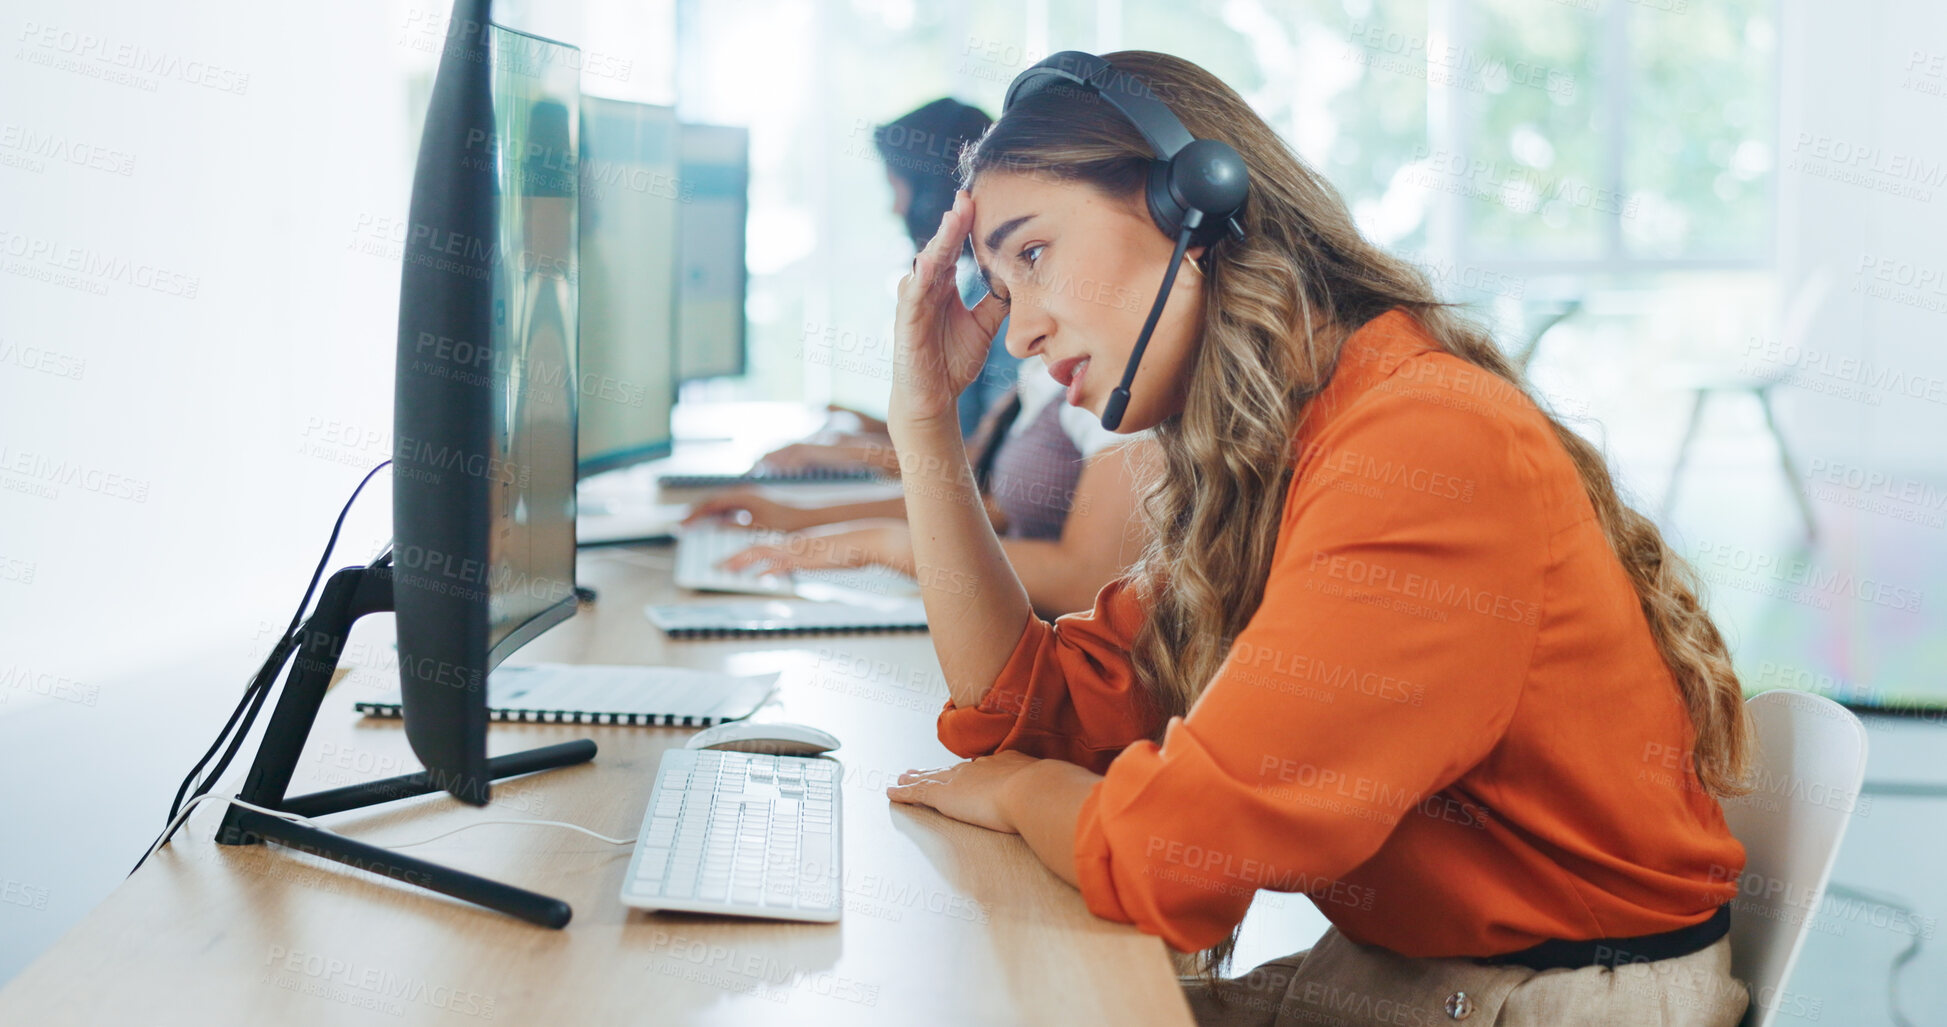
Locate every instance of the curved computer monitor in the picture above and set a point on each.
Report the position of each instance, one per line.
(485, 395)
(710, 312)
(631, 197)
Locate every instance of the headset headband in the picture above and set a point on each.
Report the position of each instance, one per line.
(1159, 125)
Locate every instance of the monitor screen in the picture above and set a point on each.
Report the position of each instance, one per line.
(484, 408)
(710, 315)
(531, 544)
(631, 191)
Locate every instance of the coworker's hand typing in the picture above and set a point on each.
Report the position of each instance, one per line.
(877, 542)
(873, 452)
(867, 423)
(799, 456)
(748, 507)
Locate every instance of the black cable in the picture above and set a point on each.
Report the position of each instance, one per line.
(254, 694)
(280, 654)
(259, 686)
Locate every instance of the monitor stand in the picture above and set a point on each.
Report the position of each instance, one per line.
(350, 594)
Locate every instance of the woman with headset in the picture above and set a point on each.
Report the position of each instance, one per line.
(1395, 641)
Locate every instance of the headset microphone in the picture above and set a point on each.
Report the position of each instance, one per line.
(1119, 399)
(1196, 186)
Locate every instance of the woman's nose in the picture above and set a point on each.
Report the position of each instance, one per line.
(1027, 328)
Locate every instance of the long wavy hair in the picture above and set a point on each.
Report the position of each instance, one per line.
(1279, 305)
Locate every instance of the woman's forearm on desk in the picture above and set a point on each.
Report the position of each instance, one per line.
(1040, 800)
(1044, 803)
(975, 604)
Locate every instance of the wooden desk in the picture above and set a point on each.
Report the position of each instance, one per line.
(943, 922)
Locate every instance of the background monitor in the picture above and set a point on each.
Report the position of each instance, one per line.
(631, 193)
(485, 393)
(710, 313)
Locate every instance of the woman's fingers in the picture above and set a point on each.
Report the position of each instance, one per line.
(914, 786)
(934, 266)
(933, 331)
(910, 794)
(988, 314)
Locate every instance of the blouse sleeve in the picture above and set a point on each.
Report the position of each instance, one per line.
(1385, 660)
(1067, 692)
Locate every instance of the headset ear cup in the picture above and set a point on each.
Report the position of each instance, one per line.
(1209, 175)
(1163, 208)
(1168, 212)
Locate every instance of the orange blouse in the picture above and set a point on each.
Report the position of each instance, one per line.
(1447, 722)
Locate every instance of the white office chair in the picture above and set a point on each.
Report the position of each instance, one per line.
(1811, 760)
(1758, 381)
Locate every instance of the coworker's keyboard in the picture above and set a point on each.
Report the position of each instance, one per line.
(807, 476)
(701, 547)
(741, 834)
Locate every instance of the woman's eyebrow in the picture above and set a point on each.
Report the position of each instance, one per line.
(1004, 229)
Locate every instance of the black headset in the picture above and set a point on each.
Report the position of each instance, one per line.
(1196, 186)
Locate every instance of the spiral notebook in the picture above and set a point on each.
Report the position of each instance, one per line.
(742, 618)
(567, 693)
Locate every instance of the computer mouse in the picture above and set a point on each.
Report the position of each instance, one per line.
(772, 737)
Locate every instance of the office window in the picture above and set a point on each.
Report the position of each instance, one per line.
(1326, 76)
(825, 252)
(1612, 137)
(1513, 148)
(1530, 167)
(1699, 148)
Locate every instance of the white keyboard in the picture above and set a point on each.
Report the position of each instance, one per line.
(741, 834)
(806, 476)
(701, 547)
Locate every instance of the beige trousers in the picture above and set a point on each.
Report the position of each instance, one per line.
(1341, 983)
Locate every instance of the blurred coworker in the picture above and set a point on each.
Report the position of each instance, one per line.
(1060, 489)
(921, 151)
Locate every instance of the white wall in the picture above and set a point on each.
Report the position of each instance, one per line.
(204, 389)
(1864, 97)
(203, 407)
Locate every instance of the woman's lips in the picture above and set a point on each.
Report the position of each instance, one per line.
(1069, 373)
